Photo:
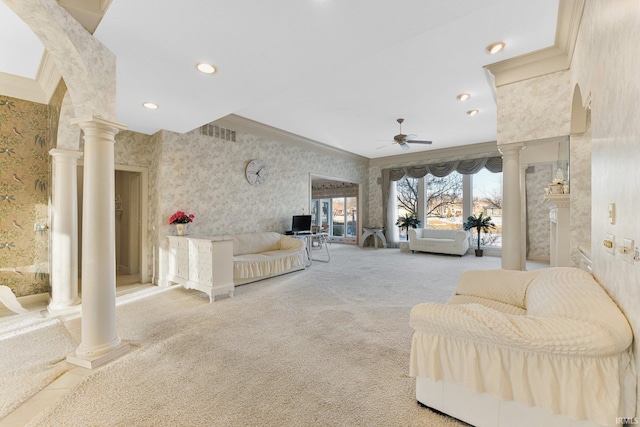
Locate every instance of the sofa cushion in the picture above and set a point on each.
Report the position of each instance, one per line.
(438, 234)
(491, 303)
(255, 243)
(508, 287)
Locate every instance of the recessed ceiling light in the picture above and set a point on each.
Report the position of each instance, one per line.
(150, 105)
(495, 47)
(472, 112)
(206, 68)
(463, 96)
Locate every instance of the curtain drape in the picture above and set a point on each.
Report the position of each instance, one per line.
(464, 167)
(442, 169)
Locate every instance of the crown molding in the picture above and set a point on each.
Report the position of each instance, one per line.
(22, 88)
(544, 61)
(431, 156)
(243, 124)
(39, 90)
(48, 76)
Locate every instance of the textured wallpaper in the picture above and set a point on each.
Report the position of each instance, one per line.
(205, 176)
(580, 209)
(520, 118)
(26, 130)
(605, 66)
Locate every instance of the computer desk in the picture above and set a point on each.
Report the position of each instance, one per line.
(308, 241)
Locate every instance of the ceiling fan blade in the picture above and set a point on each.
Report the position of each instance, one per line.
(410, 137)
(419, 142)
(385, 145)
(404, 146)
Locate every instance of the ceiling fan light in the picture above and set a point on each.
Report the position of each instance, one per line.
(206, 68)
(463, 96)
(494, 48)
(472, 112)
(150, 105)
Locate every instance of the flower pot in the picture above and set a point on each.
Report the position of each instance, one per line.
(181, 229)
(479, 252)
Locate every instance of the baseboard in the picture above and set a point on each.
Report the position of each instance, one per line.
(34, 299)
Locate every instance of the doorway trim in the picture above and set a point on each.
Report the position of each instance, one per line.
(144, 217)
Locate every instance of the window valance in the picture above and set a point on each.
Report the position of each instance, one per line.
(465, 167)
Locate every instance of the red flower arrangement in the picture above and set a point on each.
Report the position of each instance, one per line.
(181, 218)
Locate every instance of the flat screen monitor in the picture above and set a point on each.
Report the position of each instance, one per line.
(301, 223)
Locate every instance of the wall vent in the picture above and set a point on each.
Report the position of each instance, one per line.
(218, 132)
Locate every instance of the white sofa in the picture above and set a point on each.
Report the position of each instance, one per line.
(453, 242)
(545, 347)
(257, 256)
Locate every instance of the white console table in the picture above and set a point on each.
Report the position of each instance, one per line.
(375, 232)
(202, 263)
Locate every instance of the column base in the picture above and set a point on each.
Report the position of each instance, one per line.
(97, 361)
(64, 307)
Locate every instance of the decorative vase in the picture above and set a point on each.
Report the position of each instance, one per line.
(556, 188)
(181, 229)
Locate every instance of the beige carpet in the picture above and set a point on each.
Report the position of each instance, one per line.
(31, 359)
(328, 346)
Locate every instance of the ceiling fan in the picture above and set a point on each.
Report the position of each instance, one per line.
(404, 140)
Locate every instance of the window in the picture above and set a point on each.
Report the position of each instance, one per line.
(407, 189)
(487, 198)
(444, 201)
(338, 216)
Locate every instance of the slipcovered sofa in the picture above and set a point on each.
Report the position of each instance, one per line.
(257, 256)
(539, 348)
(453, 242)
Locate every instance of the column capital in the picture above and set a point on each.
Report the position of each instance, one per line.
(516, 146)
(61, 152)
(97, 122)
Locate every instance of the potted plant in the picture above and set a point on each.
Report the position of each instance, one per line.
(480, 223)
(406, 221)
(181, 220)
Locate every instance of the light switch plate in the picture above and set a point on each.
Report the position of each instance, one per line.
(612, 213)
(609, 243)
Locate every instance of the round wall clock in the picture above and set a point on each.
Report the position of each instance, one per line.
(256, 172)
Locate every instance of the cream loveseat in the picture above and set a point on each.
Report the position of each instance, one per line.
(512, 348)
(257, 256)
(453, 242)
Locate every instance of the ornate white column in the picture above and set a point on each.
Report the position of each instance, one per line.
(64, 230)
(511, 207)
(100, 341)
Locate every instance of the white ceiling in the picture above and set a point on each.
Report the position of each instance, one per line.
(338, 72)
